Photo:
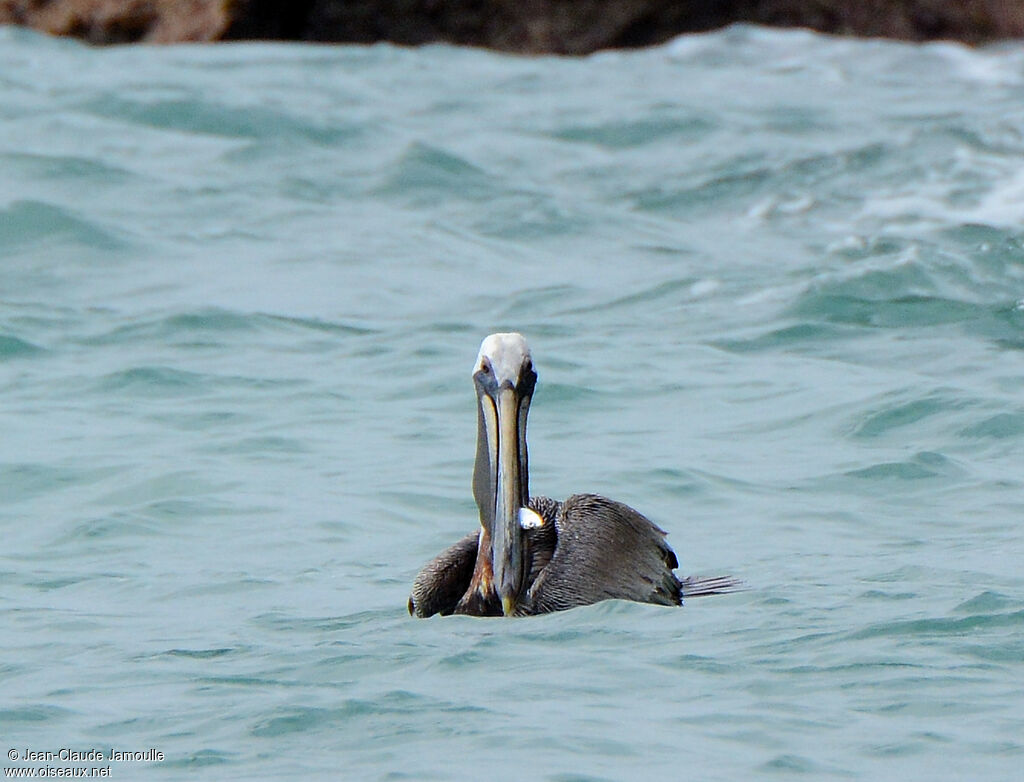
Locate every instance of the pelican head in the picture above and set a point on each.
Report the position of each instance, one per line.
(504, 380)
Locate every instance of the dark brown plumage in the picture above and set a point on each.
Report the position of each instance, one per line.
(589, 549)
(554, 555)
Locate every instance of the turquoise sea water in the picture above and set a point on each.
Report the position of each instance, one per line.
(774, 285)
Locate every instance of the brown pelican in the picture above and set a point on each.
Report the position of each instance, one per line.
(533, 555)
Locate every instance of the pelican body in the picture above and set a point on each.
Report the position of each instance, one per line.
(534, 555)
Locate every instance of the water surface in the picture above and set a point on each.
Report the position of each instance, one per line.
(774, 284)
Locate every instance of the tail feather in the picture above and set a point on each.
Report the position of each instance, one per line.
(700, 586)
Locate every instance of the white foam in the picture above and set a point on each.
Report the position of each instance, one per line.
(704, 287)
(1001, 206)
(995, 66)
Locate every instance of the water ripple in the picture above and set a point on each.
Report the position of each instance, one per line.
(773, 284)
(28, 223)
(194, 115)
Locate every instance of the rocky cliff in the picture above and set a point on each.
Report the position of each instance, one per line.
(528, 26)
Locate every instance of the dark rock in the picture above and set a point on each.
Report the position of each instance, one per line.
(528, 26)
(121, 21)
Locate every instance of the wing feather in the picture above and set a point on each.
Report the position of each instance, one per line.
(605, 550)
(444, 580)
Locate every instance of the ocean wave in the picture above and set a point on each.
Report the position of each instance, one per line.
(14, 347)
(218, 326)
(196, 115)
(33, 223)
